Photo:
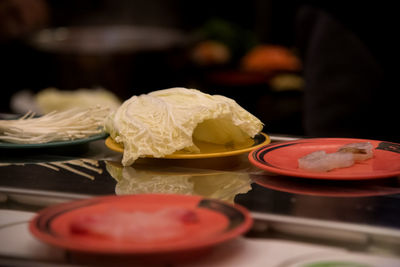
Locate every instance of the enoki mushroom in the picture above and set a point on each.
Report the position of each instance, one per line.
(55, 126)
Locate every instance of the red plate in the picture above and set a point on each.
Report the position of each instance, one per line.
(217, 222)
(282, 158)
(329, 188)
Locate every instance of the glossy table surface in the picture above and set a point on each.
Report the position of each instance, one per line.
(361, 216)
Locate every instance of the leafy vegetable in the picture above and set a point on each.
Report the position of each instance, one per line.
(165, 121)
(51, 99)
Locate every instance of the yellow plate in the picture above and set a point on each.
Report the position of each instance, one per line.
(208, 150)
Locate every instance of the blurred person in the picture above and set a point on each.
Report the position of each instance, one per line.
(351, 89)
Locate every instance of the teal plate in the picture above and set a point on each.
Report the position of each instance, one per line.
(5, 145)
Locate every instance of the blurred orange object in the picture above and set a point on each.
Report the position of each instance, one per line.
(268, 58)
(210, 53)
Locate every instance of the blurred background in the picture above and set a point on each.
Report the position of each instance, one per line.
(270, 56)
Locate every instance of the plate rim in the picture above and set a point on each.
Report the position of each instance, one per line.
(317, 175)
(102, 135)
(322, 193)
(111, 144)
(117, 250)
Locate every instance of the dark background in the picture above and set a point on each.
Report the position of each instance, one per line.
(25, 67)
(270, 22)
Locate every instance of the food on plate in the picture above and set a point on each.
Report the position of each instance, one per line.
(210, 52)
(136, 226)
(320, 161)
(267, 58)
(53, 99)
(221, 41)
(361, 151)
(346, 156)
(165, 121)
(55, 126)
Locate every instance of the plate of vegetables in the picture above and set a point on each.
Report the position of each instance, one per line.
(55, 129)
(207, 150)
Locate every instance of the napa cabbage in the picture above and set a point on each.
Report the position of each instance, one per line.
(162, 122)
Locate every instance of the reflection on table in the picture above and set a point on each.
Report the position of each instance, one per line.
(223, 185)
(297, 209)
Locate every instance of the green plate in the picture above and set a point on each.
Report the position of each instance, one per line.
(5, 145)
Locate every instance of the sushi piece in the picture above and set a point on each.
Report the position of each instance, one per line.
(361, 151)
(320, 161)
(137, 226)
